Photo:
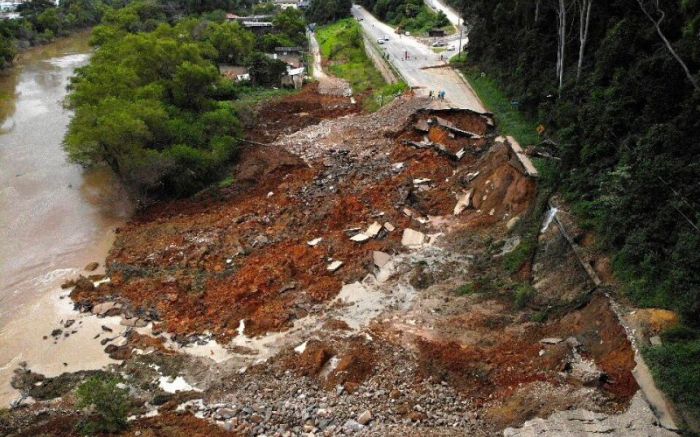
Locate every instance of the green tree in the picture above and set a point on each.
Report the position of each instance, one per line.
(232, 42)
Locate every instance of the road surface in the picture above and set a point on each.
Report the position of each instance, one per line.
(457, 92)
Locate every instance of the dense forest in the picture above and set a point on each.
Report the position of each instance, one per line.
(616, 85)
(152, 103)
(410, 15)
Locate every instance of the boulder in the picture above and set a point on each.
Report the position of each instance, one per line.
(412, 239)
(380, 258)
(92, 266)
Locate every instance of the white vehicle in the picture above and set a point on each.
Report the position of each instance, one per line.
(382, 40)
(439, 44)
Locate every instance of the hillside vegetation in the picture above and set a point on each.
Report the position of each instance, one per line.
(616, 86)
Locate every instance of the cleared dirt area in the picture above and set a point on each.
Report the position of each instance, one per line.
(353, 279)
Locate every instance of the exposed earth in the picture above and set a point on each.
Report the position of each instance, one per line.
(358, 276)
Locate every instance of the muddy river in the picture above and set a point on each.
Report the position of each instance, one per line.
(54, 217)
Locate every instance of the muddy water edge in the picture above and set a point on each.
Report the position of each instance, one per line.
(55, 218)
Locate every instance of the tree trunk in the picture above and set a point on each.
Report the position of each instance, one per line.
(667, 43)
(561, 42)
(584, 22)
(537, 10)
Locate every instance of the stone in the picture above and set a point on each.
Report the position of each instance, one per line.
(389, 227)
(412, 239)
(359, 238)
(463, 202)
(335, 265)
(421, 181)
(380, 258)
(134, 322)
(106, 328)
(512, 222)
(101, 308)
(351, 426)
(373, 230)
(92, 266)
(364, 418)
(314, 242)
(69, 323)
(655, 340)
(551, 340)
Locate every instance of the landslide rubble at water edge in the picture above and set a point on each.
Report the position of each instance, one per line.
(356, 277)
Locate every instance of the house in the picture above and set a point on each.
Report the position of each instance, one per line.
(294, 77)
(291, 56)
(258, 27)
(234, 17)
(284, 4)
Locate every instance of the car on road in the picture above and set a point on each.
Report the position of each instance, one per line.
(382, 40)
(439, 44)
(451, 49)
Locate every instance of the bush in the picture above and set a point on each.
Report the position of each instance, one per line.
(107, 403)
(676, 368)
(524, 294)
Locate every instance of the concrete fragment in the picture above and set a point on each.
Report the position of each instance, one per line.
(359, 238)
(463, 202)
(389, 227)
(412, 239)
(421, 181)
(335, 265)
(373, 230)
(380, 258)
(551, 340)
(314, 242)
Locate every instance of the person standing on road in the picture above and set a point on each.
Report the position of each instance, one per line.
(430, 94)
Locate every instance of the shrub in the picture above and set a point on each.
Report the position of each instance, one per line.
(524, 294)
(109, 404)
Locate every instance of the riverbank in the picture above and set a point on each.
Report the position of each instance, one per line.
(55, 218)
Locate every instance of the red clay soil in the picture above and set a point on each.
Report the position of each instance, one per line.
(494, 368)
(176, 425)
(297, 111)
(205, 263)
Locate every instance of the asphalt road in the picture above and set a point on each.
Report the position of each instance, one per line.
(411, 58)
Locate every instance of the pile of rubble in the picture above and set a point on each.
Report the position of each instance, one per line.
(351, 280)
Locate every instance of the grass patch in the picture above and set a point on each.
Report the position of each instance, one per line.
(676, 369)
(342, 46)
(513, 261)
(226, 182)
(384, 95)
(510, 121)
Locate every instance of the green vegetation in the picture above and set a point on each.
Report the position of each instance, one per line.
(514, 261)
(676, 368)
(523, 295)
(327, 11)
(107, 405)
(408, 15)
(42, 21)
(152, 104)
(509, 119)
(341, 44)
(623, 117)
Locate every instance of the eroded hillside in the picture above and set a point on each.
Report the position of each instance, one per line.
(353, 279)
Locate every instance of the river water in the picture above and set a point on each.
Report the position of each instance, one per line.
(54, 216)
